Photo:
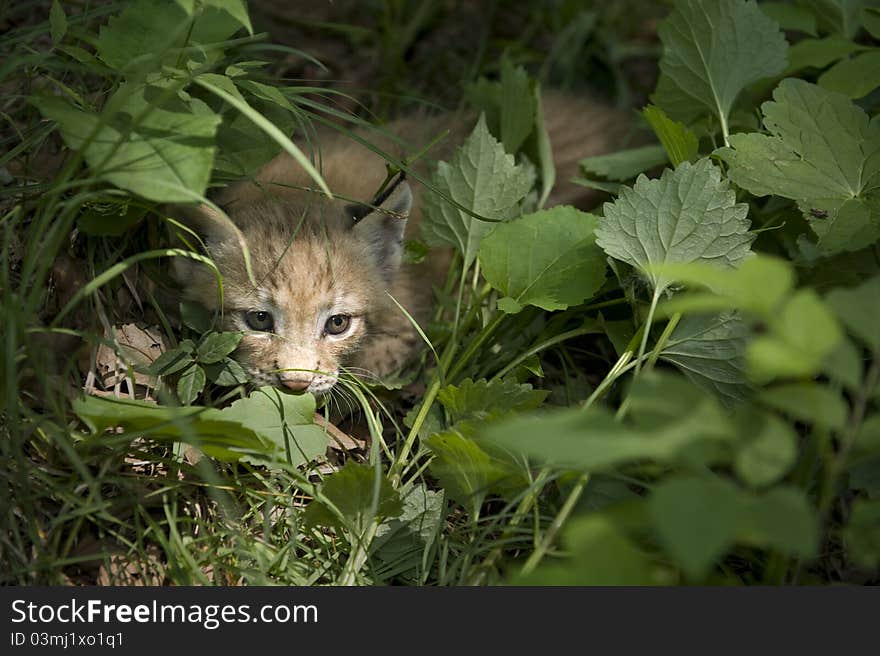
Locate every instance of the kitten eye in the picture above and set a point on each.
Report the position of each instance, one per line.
(337, 324)
(260, 320)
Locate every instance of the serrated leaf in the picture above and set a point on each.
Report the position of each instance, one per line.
(679, 141)
(472, 400)
(858, 309)
(360, 493)
(711, 52)
(216, 346)
(287, 420)
(841, 16)
(57, 22)
(768, 451)
(688, 215)
(166, 157)
(812, 403)
(823, 153)
(854, 78)
(710, 351)
(548, 259)
(509, 105)
(625, 164)
(482, 178)
(190, 384)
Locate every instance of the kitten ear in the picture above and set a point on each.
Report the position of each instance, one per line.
(383, 228)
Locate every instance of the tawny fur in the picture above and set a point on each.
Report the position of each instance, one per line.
(309, 260)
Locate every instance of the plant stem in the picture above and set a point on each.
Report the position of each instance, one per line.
(647, 328)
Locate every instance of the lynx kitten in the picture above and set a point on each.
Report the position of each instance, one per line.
(327, 270)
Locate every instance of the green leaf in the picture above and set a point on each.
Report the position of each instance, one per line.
(858, 310)
(862, 533)
(679, 141)
(465, 470)
(870, 18)
(402, 541)
(548, 259)
(780, 519)
(768, 451)
(190, 384)
(854, 78)
(172, 360)
(509, 105)
(800, 338)
(286, 420)
(166, 155)
(111, 220)
(819, 53)
(206, 429)
(599, 555)
(841, 16)
(483, 179)
(822, 152)
(673, 419)
(688, 215)
(711, 52)
(216, 346)
(479, 400)
(57, 22)
(791, 17)
(360, 493)
(196, 317)
(625, 164)
(812, 403)
(710, 351)
(226, 373)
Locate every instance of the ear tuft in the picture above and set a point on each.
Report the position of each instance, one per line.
(383, 228)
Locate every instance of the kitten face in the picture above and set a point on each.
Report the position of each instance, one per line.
(320, 292)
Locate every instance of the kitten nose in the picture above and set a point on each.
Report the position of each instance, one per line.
(297, 384)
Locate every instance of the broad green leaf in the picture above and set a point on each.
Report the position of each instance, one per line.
(862, 533)
(548, 259)
(870, 19)
(710, 351)
(711, 52)
(823, 153)
(854, 78)
(791, 17)
(217, 346)
(840, 16)
(111, 220)
(483, 179)
(216, 435)
(172, 360)
(509, 105)
(196, 317)
(672, 417)
(57, 22)
(162, 152)
(800, 338)
(688, 215)
(812, 403)
(859, 310)
(768, 449)
(844, 364)
(599, 555)
(625, 164)
(226, 373)
(287, 420)
(819, 53)
(465, 470)
(679, 141)
(190, 384)
(360, 493)
(402, 541)
(472, 400)
(781, 519)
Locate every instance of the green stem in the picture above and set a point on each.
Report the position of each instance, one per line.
(646, 331)
(558, 522)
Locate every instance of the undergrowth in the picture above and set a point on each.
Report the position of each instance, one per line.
(679, 387)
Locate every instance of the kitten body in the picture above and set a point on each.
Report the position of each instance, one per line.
(330, 283)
